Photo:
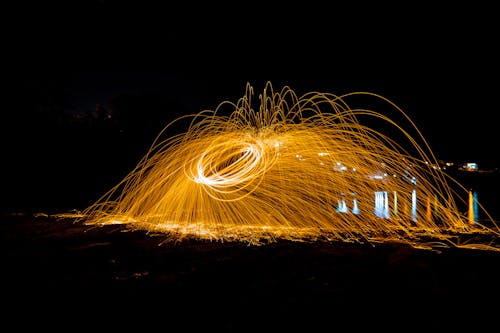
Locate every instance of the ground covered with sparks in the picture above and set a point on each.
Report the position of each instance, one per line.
(58, 274)
(295, 168)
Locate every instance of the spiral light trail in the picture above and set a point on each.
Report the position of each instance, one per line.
(298, 168)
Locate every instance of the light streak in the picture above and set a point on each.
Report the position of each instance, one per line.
(298, 168)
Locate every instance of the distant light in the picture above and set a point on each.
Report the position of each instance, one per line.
(470, 166)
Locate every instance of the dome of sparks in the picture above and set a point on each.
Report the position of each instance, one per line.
(296, 168)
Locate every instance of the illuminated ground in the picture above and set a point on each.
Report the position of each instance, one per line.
(62, 275)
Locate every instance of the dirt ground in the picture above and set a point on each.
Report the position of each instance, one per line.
(61, 275)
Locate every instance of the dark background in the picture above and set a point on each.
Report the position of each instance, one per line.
(154, 62)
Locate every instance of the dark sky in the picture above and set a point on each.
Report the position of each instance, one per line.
(455, 110)
(438, 63)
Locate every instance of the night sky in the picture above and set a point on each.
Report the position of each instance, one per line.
(439, 64)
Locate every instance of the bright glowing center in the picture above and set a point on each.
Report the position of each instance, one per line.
(223, 166)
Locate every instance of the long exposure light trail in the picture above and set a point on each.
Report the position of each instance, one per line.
(297, 168)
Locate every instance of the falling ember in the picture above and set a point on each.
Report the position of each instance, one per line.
(298, 168)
